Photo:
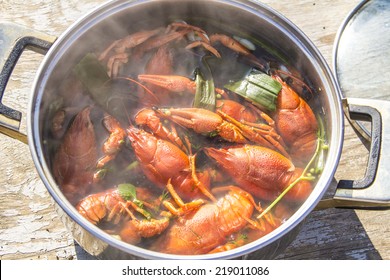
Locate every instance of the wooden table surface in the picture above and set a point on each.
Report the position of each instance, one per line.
(30, 228)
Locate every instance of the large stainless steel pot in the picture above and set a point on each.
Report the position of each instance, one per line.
(275, 31)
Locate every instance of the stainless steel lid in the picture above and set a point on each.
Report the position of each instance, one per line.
(361, 58)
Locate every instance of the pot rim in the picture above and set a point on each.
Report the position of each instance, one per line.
(106, 10)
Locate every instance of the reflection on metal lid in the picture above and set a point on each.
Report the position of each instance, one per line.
(362, 51)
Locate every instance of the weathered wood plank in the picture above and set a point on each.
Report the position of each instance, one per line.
(30, 228)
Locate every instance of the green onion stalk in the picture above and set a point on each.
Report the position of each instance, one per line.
(318, 158)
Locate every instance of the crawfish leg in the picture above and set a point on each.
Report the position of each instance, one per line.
(114, 142)
(206, 46)
(174, 136)
(198, 183)
(115, 214)
(183, 207)
(114, 63)
(270, 134)
(133, 231)
(104, 54)
(150, 119)
(266, 129)
(194, 176)
(278, 144)
(266, 138)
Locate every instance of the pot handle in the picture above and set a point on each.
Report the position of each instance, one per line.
(14, 39)
(372, 191)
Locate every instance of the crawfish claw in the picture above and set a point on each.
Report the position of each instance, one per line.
(171, 82)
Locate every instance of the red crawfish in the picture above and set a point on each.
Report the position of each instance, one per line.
(202, 230)
(162, 160)
(260, 171)
(109, 206)
(296, 123)
(75, 160)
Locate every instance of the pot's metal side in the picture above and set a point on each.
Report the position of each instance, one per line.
(278, 30)
(94, 246)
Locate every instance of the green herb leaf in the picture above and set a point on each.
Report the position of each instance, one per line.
(91, 72)
(264, 81)
(165, 195)
(113, 96)
(205, 93)
(258, 88)
(127, 191)
(132, 166)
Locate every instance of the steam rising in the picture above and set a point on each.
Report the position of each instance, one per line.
(116, 38)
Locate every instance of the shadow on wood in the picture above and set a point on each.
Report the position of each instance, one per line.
(335, 234)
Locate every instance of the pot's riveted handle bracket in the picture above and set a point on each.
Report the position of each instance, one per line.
(372, 191)
(14, 39)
